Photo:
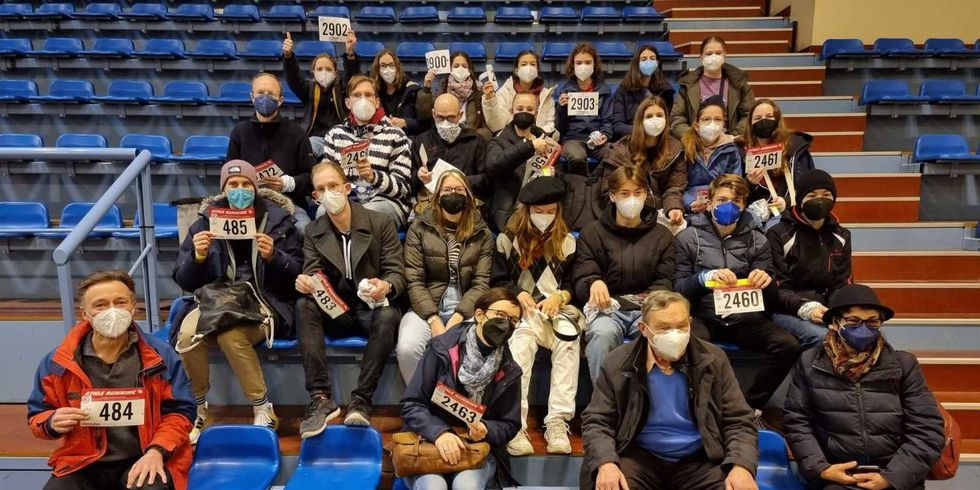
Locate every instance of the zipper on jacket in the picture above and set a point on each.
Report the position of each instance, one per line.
(863, 420)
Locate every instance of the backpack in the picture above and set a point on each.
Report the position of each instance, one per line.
(949, 459)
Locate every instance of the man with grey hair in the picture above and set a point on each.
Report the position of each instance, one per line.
(667, 412)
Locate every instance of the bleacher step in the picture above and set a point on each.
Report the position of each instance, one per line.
(877, 209)
(866, 162)
(833, 104)
(826, 122)
(712, 11)
(680, 36)
(787, 88)
(926, 235)
(663, 5)
(934, 298)
(878, 185)
(786, 74)
(748, 46)
(916, 265)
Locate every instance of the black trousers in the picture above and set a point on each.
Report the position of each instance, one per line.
(103, 476)
(645, 471)
(379, 325)
(757, 333)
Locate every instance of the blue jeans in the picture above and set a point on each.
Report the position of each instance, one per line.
(414, 333)
(607, 332)
(476, 479)
(807, 332)
(317, 143)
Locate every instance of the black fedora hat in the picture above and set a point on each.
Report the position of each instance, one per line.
(855, 295)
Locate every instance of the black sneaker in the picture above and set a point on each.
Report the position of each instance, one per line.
(358, 412)
(320, 410)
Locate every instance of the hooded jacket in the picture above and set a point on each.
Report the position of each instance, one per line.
(498, 110)
(888, 418)
(467, 153)
(629, 260)
(725, 158)
(276, 279)
(620, 404)
(666, 185)
(688, 100)
(507, 154)
(624, 104)
(580, 127)
(280, 140)
(325, 107)
(800, 162)
(169, 406)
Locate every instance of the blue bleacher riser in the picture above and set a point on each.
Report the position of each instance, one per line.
(861, 162)
(896, 238)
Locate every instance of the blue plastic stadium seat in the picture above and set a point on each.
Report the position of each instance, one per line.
(127, 92)
(508, 51)
(22, 215)
(422, 14)
(158, 146)
(558, 14)
(330, 11)
(368, 49)
(100, 11)
(166, 49)
(647, 13)
(59, 47)
(193, 12)
(200, 148)
(601, 14)
(17, 90)
(353, 342)
(845, 48)
(18, 140)
(466, 15)
(62, 91)
(285, 13)
(949, 47)
(307, 50)
(233, 93)
(53, 11)
(77, 140)
(898, 47)
(940, 147)
(946, 91)
(513, 15)
(775, 472)
(183, 93)
(376, 15)
(665, 49)
(341, 457)
(289, 97)
(179, 306)
(73, 213)
(15, 48)
(728, 347)
(476, 51)
(147, 11)
(888, 91)
(214, 49)
(110, 47)
(243, 457)
(262, 50)
(13, 11)
(281, 344)
(613, 50)
(413, 50)
(239, 12)
(556, 51)
(164, 223)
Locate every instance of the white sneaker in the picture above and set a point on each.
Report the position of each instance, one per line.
(199, 422)
(520, 445)
(557, 437)
(265, 417)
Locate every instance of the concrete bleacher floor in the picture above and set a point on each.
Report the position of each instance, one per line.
(913, 240)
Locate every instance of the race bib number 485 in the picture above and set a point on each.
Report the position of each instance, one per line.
(461, 407)
(232, 224)
(583, 103)
(113, 407)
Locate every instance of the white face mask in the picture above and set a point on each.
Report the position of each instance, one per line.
(711, 131)
(334, 202)
(654, 126)
(527, 73)
(672, 344)
(542, 221)
(112, 323)
(324, 77)
(363, 109)
(461, 74)
(713, 62)
(448, 130)
(583, 72)
(630, 207)
(388, 75)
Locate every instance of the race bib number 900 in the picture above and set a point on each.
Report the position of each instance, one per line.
(438, 61)
(583, 103)
(738, 299)
(232, 224)
(458, 405)
(113, 407)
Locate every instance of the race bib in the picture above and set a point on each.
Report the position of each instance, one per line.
(113, 407)
(458, 405)
(326, 298)
(441, 166)
(438, 61)
(539, 165)
(333, 29)
(583, 103)
(636, 299)
(742, 298)
(351, 154)
(703, 195)
(268, 168)
(232, 224)
(767, 157)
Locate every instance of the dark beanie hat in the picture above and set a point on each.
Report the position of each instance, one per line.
(542, 190)
(813, 180)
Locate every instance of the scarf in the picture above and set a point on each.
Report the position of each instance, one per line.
(477, 371)
(536, 86)
(852, 367)
(462, 90)
(379, 114)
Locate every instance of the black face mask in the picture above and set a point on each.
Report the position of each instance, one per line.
(763, 128)
(818, 209)
(452, 203)
(523, 120)
(496, 331)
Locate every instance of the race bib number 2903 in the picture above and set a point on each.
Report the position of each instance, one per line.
(583, 103)
(232, 224)
(453, 402)
(113, 407)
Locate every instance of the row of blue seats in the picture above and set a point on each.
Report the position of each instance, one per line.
(34, 215)
(943, 148)
(259, 49)
(898, 48)
(197, 148)
(930, 91)
(131, 92)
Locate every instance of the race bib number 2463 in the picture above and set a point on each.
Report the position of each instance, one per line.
(458, 405)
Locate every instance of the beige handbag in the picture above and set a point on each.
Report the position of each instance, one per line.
(412, 455)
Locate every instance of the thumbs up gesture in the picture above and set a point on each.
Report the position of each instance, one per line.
(287, 45)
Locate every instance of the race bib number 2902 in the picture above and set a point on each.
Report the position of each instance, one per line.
(232, 224)
(453, 402)
(113, 407)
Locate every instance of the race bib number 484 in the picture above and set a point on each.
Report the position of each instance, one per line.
(113, 407)
(583, 103)
(738, 299)
(453, 402)
(232, 224)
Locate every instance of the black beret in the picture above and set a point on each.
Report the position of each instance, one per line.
(542, 190)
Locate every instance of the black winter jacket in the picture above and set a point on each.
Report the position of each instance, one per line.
(325, 108)
(800, 162)
(888, 418)
(280, 140)
(506, 155)
(467, 153)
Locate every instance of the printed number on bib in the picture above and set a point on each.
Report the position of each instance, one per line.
(268, 169)
(438, 61)
(352, 154)
(461, 407)
(333, 29)
(232, 224)
(738, 299)
(113, 407)
(767, 157)
(326, 298)
(583, 103)
(539, 165)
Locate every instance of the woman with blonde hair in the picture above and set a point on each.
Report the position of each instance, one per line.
(709, 152)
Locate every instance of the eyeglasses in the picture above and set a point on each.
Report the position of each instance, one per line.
(708, 120)
(503, 314)
(384, 66)
(451, 190)
(871, 322)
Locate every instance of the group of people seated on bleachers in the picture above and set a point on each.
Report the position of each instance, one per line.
(490, 271)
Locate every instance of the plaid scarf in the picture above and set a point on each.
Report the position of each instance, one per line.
(477, 371)
(462, 90)
(852, 367)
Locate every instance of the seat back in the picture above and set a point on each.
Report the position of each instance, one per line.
(164, 216)
(476, 51)
(158, 146)
(293, 11)
(876, 89)
(238, 453)
(71, 88)
(186, 90)
(23, 215)
(354, 449)
(149, 9)
(76, 140)
(420, 12)
(16, 140)
(310, 49)
(240, 10)
(774, 472)
(601, 13)
(136, 89)
(206, 145)
(264, 47)
(16, 45)
(940, 88)
(833, 47)
(508, 51)
(413, 50)
(55, 8)
(113, 44)
(18, 88)
(331, 11)
(940, 43)
(217, 46)
(105, 8)
(235, 89)
(517, 14)
(612, 49)
(893, 43)
(557, 51)
(467, 14)
(368, 49)
(73, 213)
(175, 46)
(665, 49)
(16, 9)
(63, 44)
(933, 146)
(195, 10)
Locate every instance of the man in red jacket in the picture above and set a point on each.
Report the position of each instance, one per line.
(118, 399)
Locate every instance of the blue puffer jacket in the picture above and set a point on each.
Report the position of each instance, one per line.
(726, 159)
(580, 127)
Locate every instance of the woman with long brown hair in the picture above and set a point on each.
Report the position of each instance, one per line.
(398, 94)
(526, 79)
(714, 78)
(583, 136)
(461, 82)
(644, 78)
(709, 152)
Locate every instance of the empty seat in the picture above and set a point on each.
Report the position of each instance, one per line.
(949, 47)
(238, 12)
(347, 342)
(15, 48)
(347, 457)
(946, 91)
(203, 149)
(646, 13)
(59, 47)
(288, 97)
(158, 146)
(147, 11)
(243, 457)
(845, 48)
(17, 90)
(73, 213)
(13, 11)
(127, 92)
(285, 13)
(307, 50)
(233, 93)
(166, 49)
(557, 51)
(164, 223)
(413, 50)
(53, 11)
(466, 15)
(665, 50)
(193, 12)
(262, 50)
(476, 51)
(888, 91)
(898, 47)
(75, 140)
(508, 51)
(22, 215)
(420, 14)
(109, 47)
(214, 49)
(942, 147)
(183, 93)
(558, 14)
(17, 140)
(368, 49)
(514, 15)
(613, 50)
(75, 91)
(100, 11)
(601, 14)
(376, 15)
(775, 472)
(330, 11)
(179, 307)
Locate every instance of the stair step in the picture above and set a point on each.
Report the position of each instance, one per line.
(753, 46)
(826, 122)
(916, 265)
(786, 74)
(763, 60)
(967, 415)
(936, 298)
(926, 235)
(664, 5)
(837, 141)
(787, 88)
(878, 185)
(682, 36)
(712, 11)
(847, 162)
(877, 209)
(833, 104)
